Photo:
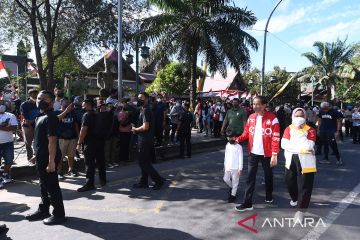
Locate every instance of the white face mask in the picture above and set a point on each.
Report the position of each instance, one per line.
(2, 108)
(298, 121)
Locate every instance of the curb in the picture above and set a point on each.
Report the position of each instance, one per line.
(162, 154)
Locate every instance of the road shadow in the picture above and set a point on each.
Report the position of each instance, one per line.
(108, 230)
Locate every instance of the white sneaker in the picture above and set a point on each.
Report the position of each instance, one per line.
(6, 178)
(293, 204)
(299, 217)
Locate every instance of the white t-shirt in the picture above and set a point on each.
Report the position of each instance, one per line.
(233, 157)
(57, 105)
(5, 136)
(355, 115)
(258, 147)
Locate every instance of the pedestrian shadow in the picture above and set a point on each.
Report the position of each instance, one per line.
(108, 230)
(8, 208)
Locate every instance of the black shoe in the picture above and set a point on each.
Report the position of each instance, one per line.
(61, 176)
(3, 229)
(140, 185)
(72, 173)
(158, 186)
(231, 199)
(86, 188)
(242, 208)
(54, 220)
(103, 183)
(269, 200)
(325, 161)
(37, 216)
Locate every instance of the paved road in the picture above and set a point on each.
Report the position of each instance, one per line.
(192, 206)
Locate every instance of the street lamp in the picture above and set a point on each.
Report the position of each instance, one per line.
(145, 52)
(264, 49)
(120, 50)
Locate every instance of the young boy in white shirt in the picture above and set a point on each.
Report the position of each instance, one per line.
(233, 165)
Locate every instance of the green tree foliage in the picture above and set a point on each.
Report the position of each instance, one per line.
(330, 60)
(173, 80)
(212, 29)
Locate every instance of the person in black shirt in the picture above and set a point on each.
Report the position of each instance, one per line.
(93, 148)
(145, 138)
(184, 130)
(48, 155)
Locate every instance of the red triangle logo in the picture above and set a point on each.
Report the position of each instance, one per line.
(253, 217)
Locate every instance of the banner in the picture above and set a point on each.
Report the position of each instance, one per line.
(283, 87)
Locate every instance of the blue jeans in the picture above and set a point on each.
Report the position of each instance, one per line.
(7, 152)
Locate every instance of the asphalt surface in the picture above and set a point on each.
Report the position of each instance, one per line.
(192, 205)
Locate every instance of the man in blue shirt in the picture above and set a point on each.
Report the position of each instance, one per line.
(329, 127)
(29, 112)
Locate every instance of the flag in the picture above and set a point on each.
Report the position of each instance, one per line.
(31, 69)
(3, 72)
(283, 87)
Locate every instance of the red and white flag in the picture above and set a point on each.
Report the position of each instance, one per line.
(3, 72)
(31, 68)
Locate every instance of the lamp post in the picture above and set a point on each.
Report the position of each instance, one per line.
(120, 50)
(264, 49)
(130, 60)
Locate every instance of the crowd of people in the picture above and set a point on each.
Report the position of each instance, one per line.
(105, 131)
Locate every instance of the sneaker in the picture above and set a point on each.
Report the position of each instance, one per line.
(37, 216)
(54, 220)
(6, 178)
(86, 188)
(242, 208)
(110, 166)
(61, 176)
(269, 200)
(339, 162)
(325, 161)
(72, 173)
(293, 204)
(116, 165)
(158, 186)
(299, 217)
(231, 199)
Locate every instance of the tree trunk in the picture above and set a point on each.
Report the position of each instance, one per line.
(49, 47)
(193, 80)
(35, 34)
(328, 89)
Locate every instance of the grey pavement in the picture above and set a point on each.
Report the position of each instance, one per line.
(191, 206)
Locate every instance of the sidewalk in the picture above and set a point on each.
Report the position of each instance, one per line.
(200, 143)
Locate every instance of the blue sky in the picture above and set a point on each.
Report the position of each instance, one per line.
(297, 24)
(294, 27)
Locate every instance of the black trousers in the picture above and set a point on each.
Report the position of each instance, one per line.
(145, 157)
(217, 128)
(159, 132)
(299, 185)
(185, 138)
(173, 131)
(94, 157)
(356, 134)
(329, 139)
(50, 191)
(251, 178)
(124, 146)
(348, 128)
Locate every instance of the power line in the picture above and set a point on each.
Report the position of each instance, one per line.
(287, 44)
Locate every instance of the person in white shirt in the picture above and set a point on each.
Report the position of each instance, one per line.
(59, 94)
(356, 125)
(233, 165)
(8, 124)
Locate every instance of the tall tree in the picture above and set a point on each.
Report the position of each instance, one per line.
(81, 24)
(329, 60)
(210, 29)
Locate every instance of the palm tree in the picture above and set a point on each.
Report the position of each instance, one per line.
(330, 60)
(211, 29)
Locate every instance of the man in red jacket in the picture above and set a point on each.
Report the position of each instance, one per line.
(263, 132)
